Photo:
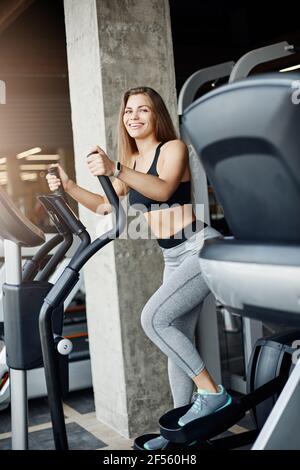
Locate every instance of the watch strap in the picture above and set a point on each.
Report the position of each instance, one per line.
(117, 169)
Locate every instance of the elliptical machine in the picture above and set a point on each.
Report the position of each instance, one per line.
(61, 289)
(264, 219)
(268, 370)
(23, 294)
(33, 309)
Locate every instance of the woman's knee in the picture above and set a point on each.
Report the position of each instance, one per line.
(151, 319)
(146, 320)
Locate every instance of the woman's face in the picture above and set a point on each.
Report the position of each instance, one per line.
(139, 118)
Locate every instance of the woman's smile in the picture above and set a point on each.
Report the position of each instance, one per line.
(135, 125)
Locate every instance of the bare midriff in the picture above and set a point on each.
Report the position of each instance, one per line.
(166, 222)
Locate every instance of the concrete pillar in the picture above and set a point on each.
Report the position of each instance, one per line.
(111, 46)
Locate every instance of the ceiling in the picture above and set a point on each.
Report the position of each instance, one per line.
(33, 59)
(210, 32)
(33, 64)
(32, 36)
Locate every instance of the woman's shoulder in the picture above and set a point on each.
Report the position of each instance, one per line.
(173, 148)
(176, 144)
(173, 151)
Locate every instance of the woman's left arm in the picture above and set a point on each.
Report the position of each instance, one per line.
(159, 188)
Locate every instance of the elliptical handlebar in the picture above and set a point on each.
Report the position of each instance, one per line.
(59, 208)
(120, 222)
(109, 191)
(61, 290)
(59, 191)
(32, 266)
(57, 257)
(113, 200)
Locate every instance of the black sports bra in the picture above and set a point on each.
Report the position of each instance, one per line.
(181, 196)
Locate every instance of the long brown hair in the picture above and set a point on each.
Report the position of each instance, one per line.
(164, 128)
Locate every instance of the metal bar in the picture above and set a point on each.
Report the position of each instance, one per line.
(32, 266)
(18, 378)
(52, 378)
(13, 265)
(252, 331)
(199, 78)
(19, 409)
(281, 430)
(259, 56)
(56, 258)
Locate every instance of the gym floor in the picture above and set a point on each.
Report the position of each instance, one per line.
(85, 432)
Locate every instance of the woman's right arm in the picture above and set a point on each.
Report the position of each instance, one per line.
(94, 202)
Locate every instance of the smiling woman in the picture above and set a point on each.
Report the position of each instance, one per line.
(153, 168)
(136, 117)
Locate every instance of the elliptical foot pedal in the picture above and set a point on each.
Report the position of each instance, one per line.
(138, 443)
(202, 428)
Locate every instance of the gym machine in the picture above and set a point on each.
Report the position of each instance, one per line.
(253, 274)
(22, 299)
(251, 330)
(264, 253)
(60, 291)
(74, 325)
(263, 211)
(33, 308)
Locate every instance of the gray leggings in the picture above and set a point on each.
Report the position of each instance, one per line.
(170, 316)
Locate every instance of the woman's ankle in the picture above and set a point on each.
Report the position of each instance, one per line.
(204, 381)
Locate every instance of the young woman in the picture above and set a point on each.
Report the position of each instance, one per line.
(153, 167)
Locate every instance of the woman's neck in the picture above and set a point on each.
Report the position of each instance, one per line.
(145, 146)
